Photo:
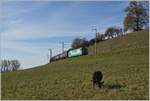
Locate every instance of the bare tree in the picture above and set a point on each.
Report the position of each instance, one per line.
(9, 65)
(77, 42)
(15, 65)
(113, 31)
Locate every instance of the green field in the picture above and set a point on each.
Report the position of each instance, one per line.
(122, 60)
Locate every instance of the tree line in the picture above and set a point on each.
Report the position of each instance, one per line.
(9, 65)
(136, 19)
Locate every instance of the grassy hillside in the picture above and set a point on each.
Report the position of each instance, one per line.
(122, 60)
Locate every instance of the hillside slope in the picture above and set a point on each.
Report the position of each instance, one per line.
(122, 60)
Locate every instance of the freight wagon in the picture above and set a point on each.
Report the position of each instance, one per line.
(59, 56)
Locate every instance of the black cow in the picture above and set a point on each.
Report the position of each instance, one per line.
(97, 79)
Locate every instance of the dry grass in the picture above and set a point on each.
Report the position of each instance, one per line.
(123, 62)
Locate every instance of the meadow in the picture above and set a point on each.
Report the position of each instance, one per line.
(122, 60)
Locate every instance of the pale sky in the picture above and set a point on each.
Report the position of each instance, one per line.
(29, 28)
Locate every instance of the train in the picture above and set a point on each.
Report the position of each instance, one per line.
(70, 53)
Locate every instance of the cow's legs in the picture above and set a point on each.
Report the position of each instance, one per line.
(99, 84)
